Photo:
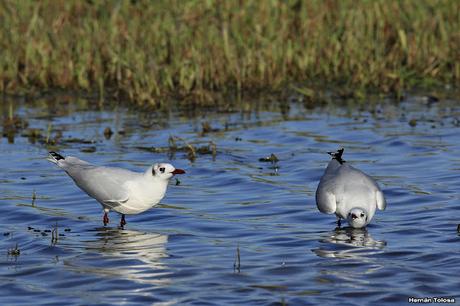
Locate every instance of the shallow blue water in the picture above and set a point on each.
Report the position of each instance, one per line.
(184, 251)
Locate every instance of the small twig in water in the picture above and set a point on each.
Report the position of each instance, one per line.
(172, 143)
(54, 234)
(192, 152)
(34, 196)
(48, 133)
(237, 263)
(213, 147)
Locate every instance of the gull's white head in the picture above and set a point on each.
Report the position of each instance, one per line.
(357, 217)
(165, 171)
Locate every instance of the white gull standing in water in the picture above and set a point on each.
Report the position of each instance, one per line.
(348, 192)
(117, 189)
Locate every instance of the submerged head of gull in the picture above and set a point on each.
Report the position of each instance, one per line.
(348, 193)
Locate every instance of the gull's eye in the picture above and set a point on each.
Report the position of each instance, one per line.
(162, 169)
(362, 215)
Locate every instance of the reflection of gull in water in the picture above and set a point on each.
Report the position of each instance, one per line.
(355, 243)
(357, 237)
(128, 254)
(348, 246)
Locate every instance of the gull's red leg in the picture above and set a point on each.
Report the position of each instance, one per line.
(122, 220)
(105, 219)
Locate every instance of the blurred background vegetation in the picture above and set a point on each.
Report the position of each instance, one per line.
(155, 52)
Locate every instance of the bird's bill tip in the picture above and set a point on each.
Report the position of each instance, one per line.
(178, 171)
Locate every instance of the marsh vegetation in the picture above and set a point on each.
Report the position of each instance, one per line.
(197, 52)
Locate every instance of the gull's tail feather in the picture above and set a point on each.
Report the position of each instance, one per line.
(55, 157)
(337, 155)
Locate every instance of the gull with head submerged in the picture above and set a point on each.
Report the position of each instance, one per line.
(121, 190)
(348, 192)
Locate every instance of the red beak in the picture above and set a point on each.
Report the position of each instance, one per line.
(178, 171)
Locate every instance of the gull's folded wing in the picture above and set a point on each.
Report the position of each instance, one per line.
(381, 203)
(326, 201)
(105, 184)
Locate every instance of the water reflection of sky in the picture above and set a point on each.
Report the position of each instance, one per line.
(127, 254)
(183, 251)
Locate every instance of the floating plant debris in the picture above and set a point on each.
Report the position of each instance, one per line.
(269, 159)
(91, 149)
(14, 251)
(108, 133)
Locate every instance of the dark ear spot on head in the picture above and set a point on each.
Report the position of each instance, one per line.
(153, 171)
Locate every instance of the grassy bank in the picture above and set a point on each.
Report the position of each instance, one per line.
(149, 51)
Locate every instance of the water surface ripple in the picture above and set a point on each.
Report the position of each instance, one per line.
(184, 251)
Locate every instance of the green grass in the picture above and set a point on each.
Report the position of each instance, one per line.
(193, 51)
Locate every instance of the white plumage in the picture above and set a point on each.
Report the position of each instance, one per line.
(348, 192)
(123, 191)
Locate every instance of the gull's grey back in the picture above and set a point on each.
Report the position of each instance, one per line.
(102, 183)
(346, 175)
